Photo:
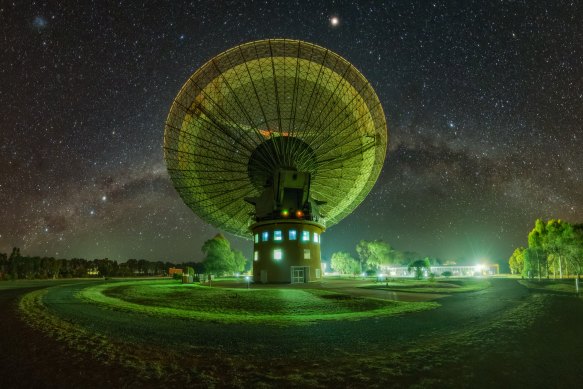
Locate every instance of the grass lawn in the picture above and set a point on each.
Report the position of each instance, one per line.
(472, 342)
(22, 284)
(564, 286)
(447, 286)
(239, 305)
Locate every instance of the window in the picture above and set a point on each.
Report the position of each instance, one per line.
(265, 236)
(256, 256)
(277, 235)
(307, 254)
(316, 237)
(256, 238)
(277, 254)
(293, 234)
(318, 274)
(305, 236)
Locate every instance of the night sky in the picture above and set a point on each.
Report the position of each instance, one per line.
(483, 100)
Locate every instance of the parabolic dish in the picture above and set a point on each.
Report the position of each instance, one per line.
(269, 104)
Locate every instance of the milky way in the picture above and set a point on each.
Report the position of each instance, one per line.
(484, 104)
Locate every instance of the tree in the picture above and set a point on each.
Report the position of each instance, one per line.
(410, 256)
(132, 266)
(14, 262)
(380, 254)
(362, 249)
(398, 258)
(18, 266)
(555, 241)
(574, 248)
(344, 263)
(375, 253)
(551, 246)
(533, 262)
(219, 259)
(240, 261)
(3, 265)
(536, 245)
(55, 269)
(142, 267)
(105, 267)
(516, 261)
(419, 265)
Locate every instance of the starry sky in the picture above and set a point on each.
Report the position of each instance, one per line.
(483, 99)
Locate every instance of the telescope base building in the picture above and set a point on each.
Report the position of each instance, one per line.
(286, 251)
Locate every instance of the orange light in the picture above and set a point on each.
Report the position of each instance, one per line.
(269, 132)
(299, 214)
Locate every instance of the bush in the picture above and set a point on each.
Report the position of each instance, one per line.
(446, 274)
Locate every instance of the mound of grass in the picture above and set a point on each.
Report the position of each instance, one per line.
(427, 286)
(234, 305)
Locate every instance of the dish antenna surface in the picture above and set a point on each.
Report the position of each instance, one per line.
(277, 140)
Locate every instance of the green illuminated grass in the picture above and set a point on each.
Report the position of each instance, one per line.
(236, 305)
(425, 286)
(415, 359)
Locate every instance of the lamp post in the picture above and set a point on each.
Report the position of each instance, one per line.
(248, 279)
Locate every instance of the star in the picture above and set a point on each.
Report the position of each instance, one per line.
(39, 22)
(493, 102)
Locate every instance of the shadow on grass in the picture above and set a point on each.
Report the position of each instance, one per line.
(428, 286)
(555, 287)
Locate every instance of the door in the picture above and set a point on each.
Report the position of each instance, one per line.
(298, 275)
(263, 276)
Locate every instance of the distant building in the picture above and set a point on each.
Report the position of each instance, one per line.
(175, 270)
(93, 271)
(187, 279)
(455, 270)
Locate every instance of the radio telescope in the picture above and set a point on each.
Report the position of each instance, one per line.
(276, 140)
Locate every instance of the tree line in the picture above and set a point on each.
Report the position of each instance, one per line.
(17, 266)
(373, 254)
(219, 259)
(555, 249)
